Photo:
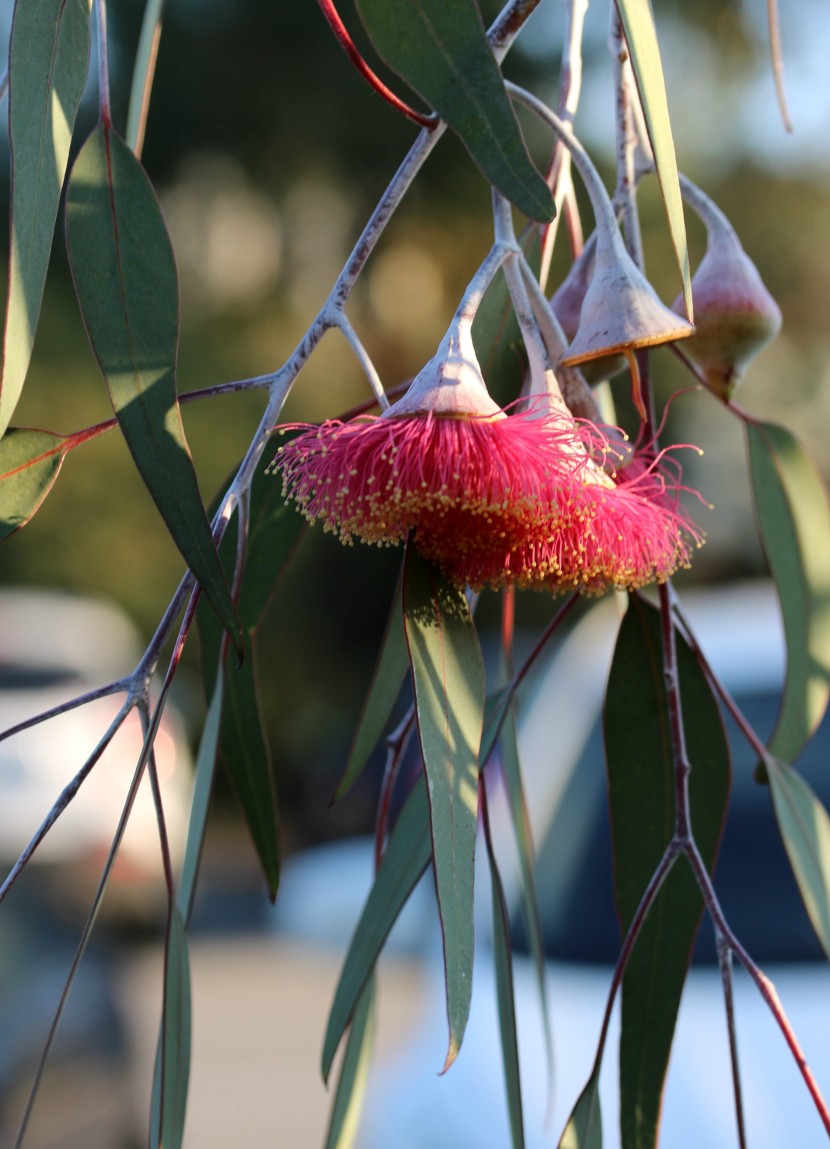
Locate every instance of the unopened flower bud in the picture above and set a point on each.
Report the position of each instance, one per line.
(735, 315)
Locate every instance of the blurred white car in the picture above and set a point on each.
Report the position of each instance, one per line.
(55, 646)
(411, 1107)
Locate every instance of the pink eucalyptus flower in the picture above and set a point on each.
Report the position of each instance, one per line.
(444, 462)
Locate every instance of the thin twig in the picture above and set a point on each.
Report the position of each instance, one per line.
(104, 108)
(64, 798)
(778, 62)
(725, 962)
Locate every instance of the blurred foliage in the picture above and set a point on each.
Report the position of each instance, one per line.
(270, 152)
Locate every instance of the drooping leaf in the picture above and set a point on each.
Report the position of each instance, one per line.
(172, 1068)
(388, 678)
(200, 803)
(641, 781)
(584, 1128)
(125, 279)
(354, 1073)
(520, 818)
(29, 464)
(407, 856)
(641, 35)
(247, 757)
(448, 679)
(805, 829)
(505, 997)
(441, 51)
(48, 64)
(496, 709)
(274, 530)
(793, 517)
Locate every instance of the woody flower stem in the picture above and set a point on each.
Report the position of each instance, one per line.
(570, 88)
(684, 840)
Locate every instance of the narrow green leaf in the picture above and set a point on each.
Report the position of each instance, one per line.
(200, 803)
(520, 819)
(441, 51)
(48, 64)
(29, 464)
(641, 35)
(172, 1068)
(641, 791)
(448, 678)
(505, 997)
(584, 1128)
(407, 856)
(125, 279)
(387, 680)
(274, 530)
(247, 757)
(496, 709)
(805, 829)
(791, 508)
(351, 1084)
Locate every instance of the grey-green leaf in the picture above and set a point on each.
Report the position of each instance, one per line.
(172, 1069)
(200, 803)
(125, 279)
(448, 678)
(387, 680)
(442, 52)
(407, 856)
(792, 512)
(505, 997)
(641, 35)
(520, 819)
(48, 64)
(805, 829)
(274, 530)
(354, 1073)
(584, 1128)
(641, 781)
(29, 464)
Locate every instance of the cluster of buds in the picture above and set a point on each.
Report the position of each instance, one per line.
(531, 495)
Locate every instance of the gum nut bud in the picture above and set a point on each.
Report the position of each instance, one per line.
(451, 383)
(566, 303)
(621, 310)
(735, 315)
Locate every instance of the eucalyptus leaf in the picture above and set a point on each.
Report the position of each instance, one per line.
(205, 767)
(405, 860)
(792, 512)
(125, 279)
(520, 819)
(354, 1073)
(641, 779)
(641, 36)
(273, 533)
(805, 829)
(388, 678)
(172, 1066)
(448, 679)
(441, 50)
(48, 65)
(505, 998)
(29, 464)
(584, 1128)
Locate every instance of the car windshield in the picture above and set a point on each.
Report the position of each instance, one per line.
(753, 877)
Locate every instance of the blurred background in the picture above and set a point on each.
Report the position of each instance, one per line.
(268, 153)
